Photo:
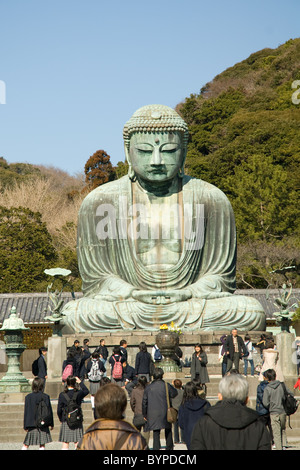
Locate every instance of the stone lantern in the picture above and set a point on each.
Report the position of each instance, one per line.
(14, 380)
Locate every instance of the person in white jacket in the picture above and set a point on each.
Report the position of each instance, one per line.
(249, 358)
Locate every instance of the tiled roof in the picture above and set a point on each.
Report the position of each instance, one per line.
(267, 298)
(32, 308)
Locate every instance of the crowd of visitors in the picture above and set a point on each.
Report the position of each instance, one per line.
(112, 382)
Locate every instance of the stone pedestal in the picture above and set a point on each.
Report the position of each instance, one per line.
(285, 343)
(57, 350)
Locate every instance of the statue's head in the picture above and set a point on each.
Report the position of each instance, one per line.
(155, 140)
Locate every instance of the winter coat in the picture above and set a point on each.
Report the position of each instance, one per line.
(42, 367)
(189, 413)
(271, 361)
(31, 401)
(230, 425)
(105, 434)
(229, 347)
(143, 361)
(129, 374)
(102, 351)
(260, 408)
(62, 401)
(273, 397)
(136, 400)
(176, 402)
(199, 367)
(124, 354)
(81, 368)
(154, 405)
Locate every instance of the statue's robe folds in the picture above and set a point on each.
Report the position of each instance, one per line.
(110, 267)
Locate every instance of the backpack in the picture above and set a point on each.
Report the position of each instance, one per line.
(35, 367)
(73, 412)
(290, 403)
(43, 416)
(157, 354)
(117, 372)
(68, 370)
(94, 375)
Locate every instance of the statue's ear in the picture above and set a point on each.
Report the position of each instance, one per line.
(126, 149)
(131, 172)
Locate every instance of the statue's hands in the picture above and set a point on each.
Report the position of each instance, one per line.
(114, 289)
(162, 297)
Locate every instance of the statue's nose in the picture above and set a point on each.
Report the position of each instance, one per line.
(156, 157)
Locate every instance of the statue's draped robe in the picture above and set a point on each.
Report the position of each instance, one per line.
(110, 267)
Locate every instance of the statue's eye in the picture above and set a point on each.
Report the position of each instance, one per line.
(144, 148)
(170, 148)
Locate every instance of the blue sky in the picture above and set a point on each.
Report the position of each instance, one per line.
(76, 71)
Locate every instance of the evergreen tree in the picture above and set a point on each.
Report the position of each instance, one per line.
(25, 250)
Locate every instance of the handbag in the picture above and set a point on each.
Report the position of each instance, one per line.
(171, 412)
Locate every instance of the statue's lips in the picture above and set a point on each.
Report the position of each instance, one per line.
(160, 171)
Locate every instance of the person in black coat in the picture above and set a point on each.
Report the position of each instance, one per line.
(70, 361)
(154, 407)
(123, 349)
(81, 357)
(35, 435)
(235, 349)
(116, 356)
(67, 435)
(42, 365)
(143, 361)
(129, 377)
(230, 424)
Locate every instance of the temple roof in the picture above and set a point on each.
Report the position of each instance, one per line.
(32, 307)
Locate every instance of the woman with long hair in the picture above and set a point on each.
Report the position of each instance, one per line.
(198, 366)
(191, 410)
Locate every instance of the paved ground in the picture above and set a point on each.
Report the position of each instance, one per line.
(294, 444)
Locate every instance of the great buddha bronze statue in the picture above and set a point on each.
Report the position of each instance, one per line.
(156, 245)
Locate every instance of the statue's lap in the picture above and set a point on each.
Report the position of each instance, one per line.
(88, 314)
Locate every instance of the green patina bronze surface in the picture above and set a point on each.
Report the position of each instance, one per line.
(157, 245)
(14, 381)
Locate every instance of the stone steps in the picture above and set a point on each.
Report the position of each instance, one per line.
(11, 414)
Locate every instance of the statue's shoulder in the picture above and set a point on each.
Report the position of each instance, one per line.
(108, 190)
(203, 188)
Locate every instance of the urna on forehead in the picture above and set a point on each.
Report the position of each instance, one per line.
(155, 118)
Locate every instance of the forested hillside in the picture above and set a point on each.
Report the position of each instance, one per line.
(38, 223)
(244, 138)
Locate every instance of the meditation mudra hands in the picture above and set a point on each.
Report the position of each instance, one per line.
(161, 297)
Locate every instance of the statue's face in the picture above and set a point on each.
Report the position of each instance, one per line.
(156, 157)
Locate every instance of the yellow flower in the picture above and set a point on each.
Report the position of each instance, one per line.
(164, 327)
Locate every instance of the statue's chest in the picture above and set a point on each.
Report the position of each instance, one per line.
(158, 231)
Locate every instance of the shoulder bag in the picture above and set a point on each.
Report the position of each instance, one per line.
(171, 412)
